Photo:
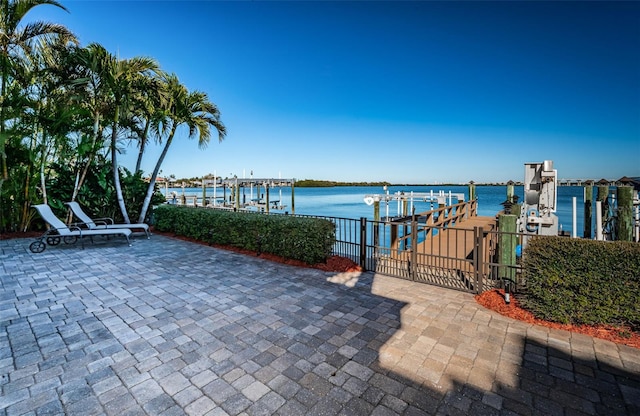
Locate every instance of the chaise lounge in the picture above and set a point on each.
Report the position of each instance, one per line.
(59, 231)
(102, 223)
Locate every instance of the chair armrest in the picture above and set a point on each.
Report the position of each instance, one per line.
(76, 228)
(105, 220)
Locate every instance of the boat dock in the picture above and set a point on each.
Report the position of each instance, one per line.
(253, 194)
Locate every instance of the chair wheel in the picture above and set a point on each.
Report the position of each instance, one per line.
(37, 246)
(53, 241)
(70, 239)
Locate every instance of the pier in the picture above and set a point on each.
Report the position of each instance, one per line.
(253, 194)
(448, 246)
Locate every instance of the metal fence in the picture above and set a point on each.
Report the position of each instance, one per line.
(467, 259)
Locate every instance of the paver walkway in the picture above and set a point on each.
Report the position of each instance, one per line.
(167, 327)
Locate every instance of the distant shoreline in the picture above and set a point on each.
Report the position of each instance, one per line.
(313, 183)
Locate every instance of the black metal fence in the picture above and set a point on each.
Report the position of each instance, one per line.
(466, 259)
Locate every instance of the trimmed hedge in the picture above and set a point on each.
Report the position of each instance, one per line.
(583, 281)
(306, 239)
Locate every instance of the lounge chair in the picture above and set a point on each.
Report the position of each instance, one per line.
(102, 223)
(69, 234)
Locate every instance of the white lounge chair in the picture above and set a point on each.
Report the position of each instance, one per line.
(102, 223)
(69, 234)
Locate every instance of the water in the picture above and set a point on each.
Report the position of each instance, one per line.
(347, 201)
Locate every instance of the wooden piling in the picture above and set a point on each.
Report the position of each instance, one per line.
(588, 210)
(266, 191)
(510, 192)
(376, 210)
(603, 197)
(472, 191)
(624, 223)
(293, 204)
(204, 194)
(508, 242)
(237, 195)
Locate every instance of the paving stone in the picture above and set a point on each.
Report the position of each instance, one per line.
(235, 334)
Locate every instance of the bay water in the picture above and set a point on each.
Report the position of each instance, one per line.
(348, 201)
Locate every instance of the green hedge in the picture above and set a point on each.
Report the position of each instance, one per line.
(307, 239)
(583, 281)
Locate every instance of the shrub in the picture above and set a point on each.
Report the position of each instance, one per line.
(307, 239)
(583, 281)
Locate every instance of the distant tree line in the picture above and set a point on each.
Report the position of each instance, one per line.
(314, 183)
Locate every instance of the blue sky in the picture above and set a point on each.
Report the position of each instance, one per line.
(405, 92)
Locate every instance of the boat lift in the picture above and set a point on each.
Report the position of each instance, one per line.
(405, 200)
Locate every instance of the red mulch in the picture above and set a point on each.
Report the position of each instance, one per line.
(494, 300)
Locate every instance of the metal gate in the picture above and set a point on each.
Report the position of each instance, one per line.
(471, 259)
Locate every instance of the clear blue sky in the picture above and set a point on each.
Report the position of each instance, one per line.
(407, 92)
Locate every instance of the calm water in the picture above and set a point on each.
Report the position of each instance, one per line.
(347, 201)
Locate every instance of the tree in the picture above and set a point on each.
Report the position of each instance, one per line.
(192, 109)
(112, 85)
(14, 42)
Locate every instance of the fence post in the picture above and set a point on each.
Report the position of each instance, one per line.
(588, 205)
(478, 258)
(413, 272)
(363, 243)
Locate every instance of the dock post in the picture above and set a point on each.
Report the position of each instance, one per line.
(510, 192)
(237, 194)
(204, 193)
(266, 191)
(293, 204)
(624, 223)
(507, 245)
(603, 198)
(588, 209)
(472, 191)
(376, 219)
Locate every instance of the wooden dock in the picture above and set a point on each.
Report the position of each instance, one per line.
(446, 240)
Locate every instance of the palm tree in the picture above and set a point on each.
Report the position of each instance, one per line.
(123, 79)
(14, 42)
(85, 70)
(112, 85)
(192, 109)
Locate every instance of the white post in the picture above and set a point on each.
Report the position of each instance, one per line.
(411, 205)
(574, 233)
(450, 201)
(386, 200)
(599, 220)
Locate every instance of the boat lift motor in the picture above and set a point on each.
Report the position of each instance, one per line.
(537, 216)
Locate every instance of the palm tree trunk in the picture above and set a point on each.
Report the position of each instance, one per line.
(152, 182)
(85, 169)
(3, 112)
(116, 172)
(143, 142)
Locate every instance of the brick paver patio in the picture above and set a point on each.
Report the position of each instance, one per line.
(167, 327)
